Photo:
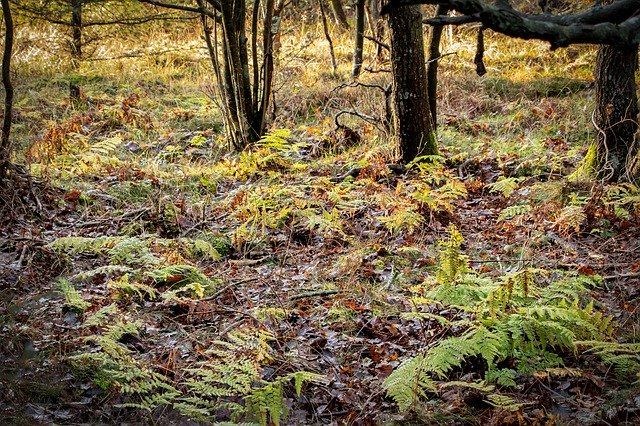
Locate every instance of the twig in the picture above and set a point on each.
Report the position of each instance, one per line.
(626, 275)
(316, 293)
(378, 42)
(354, 172)
(225, 288)
(249, 262)
(137, 212)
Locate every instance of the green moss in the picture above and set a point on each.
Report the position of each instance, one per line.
(587, 168)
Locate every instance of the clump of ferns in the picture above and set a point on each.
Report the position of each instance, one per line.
(138, 266)
(112, 365)
(275, 153)
(513, 327)
(229, 382)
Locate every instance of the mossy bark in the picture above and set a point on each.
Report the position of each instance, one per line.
(414, 132)
(612, 156)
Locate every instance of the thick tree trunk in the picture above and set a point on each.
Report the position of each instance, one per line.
(5, 141)
(613, 156)
(413, 130)
(616, 116)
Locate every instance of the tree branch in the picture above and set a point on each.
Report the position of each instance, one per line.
(616, 24)
(201, 10)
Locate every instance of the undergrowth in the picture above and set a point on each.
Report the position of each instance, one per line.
(527, 322)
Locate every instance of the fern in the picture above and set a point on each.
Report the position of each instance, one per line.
(132, 251)
(517, 320)
(106, 146)
(73, 298)
(624, 357)
(570, 219)
(99, 317)
(402, 220)
(124, 289)
(409, 383)
(102, 270)
(75, 245)
(453, 265)
(505, 185)
(513, 211)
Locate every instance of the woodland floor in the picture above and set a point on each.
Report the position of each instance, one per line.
(320, 249)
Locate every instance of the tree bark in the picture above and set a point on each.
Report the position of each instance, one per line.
(5, 141)
(432, 66)
(616, 112)
(377, 26)
(413, 130)
(339, 14)
(76, 33)
(359, 38)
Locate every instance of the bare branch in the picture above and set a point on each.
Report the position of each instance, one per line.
(616, 24)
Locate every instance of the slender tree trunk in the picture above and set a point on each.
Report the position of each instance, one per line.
(413, 130)
(269, 30)
(359, 38)
(435, 36)
(377, 26)
(339, 14)
(325, 27)
(5, 141)
(76, 33)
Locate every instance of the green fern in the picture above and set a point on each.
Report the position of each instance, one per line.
(514, 211)
(99, 317)
(505, 185)
(75, 245)
(73, 298)
(516, 320)
(624, 357)
(409, 383)
(402, 220)
(453, 264)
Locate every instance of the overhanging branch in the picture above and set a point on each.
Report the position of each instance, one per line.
(615, 24)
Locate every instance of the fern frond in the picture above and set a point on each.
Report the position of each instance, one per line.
(99, 317)
(514, 211)
(107, 270)
(73, 298)
(76, 245)
(408, 383)
(503, 402)
(106, 146)
(505, 185)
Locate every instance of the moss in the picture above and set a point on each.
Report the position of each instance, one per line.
(588, 167)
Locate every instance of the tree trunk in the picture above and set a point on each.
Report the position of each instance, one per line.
(359, 39)
(377, 26)
(613, 155)
(617, 108)
(76, 33)
(413, 130)
(5, 141)
(432, 66)
(339, 14)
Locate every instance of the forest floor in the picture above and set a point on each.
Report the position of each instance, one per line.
(148, 275)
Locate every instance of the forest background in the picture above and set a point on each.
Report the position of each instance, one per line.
(180, 247)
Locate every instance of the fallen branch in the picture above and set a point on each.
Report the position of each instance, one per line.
(625, 275)
(316, 293)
